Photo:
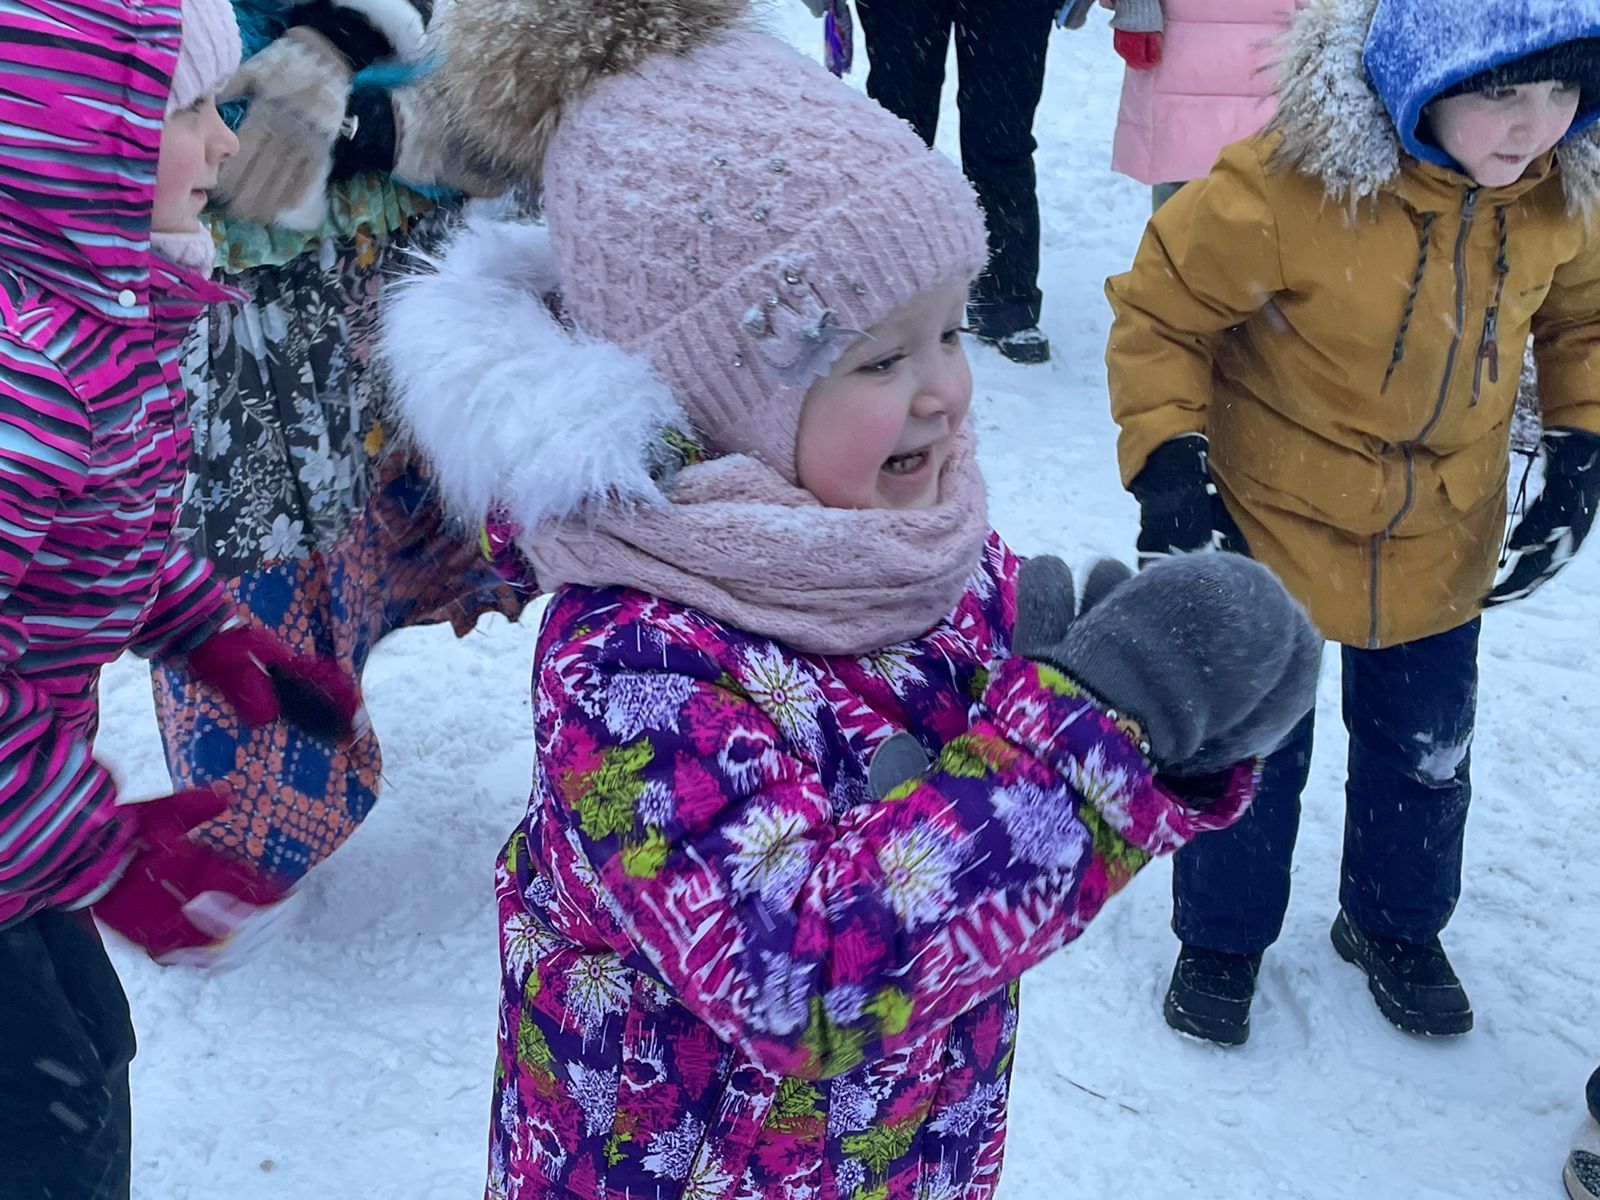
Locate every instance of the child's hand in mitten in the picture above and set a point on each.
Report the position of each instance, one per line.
(1141, 51)
(1207, 653)
(297, 88)
(1555, 524)
(1136, 33)
(265, 681)
(179, 900)
(1179, 509)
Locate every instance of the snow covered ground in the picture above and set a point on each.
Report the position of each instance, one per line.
(352, 1058)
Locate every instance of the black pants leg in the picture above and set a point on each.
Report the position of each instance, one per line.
(1000, 53)
(1230, 889)
(1410, 710)
(907, 41)
(66, 1040)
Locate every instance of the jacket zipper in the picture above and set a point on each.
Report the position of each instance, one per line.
(1469, 209)
(1488, 350)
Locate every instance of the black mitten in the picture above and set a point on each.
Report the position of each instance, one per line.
(1179, 509)
(1555, 524)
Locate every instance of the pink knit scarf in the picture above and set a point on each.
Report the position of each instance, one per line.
(738, 542)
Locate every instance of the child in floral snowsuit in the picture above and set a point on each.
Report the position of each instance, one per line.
(800, 817)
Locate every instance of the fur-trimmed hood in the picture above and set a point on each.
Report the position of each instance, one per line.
(1355, 71)
(514, 411)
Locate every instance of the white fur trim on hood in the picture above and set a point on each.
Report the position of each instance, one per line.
(1335, 126)
(513, 410)
(397, 20)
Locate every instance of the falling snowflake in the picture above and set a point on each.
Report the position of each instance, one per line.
(1042, 826)
(635, 702)
(917, 864)
(769, 856)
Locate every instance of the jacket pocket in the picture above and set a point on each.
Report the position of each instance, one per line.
(1472, 475)
(1296, 472)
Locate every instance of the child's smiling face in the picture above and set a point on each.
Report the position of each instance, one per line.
(195, 142)
(878, 429)
(1495, 134)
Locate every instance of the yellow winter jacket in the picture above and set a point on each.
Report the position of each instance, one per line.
(1352, 353)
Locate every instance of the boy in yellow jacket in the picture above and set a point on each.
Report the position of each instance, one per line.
(1314, 361)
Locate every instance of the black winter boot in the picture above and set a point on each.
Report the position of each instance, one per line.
(1582, 1175)
(1029, 347)
(1210, 993)
(1592, 1094)
(1413, 983)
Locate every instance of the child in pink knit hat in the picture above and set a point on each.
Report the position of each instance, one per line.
(109, 141)
(817, 776)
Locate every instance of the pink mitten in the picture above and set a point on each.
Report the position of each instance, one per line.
(175, 898)
(264, 681)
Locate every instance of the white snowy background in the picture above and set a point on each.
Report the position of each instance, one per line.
(351, 1058)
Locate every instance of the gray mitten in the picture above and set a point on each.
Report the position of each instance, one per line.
(1208, 653)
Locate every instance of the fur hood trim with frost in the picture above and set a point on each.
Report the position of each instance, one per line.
(1333, 123)
(506, 69)
(514, 411)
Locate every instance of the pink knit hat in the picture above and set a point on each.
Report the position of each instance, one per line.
(718, 204)
(208, 54)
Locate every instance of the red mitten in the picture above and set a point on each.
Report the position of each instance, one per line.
(179, 900)
(1141, 51)
(264, 681)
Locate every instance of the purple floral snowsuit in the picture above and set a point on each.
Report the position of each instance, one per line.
(729, 972)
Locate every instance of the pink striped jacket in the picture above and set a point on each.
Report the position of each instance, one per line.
(93, 434)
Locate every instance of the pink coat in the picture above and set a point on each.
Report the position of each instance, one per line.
(1213, 87)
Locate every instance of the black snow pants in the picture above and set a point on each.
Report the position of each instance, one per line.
(1000, 49)
(1410, 711)
(65, 1043)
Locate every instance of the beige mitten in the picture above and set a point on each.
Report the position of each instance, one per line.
(297, 88)
(429, 153)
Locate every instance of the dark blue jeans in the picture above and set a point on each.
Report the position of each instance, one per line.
(1409, 711)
